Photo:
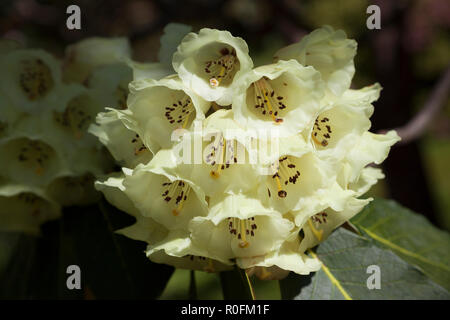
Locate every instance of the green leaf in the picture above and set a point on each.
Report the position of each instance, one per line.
(409, 235)
(344, 275)
(236, 285)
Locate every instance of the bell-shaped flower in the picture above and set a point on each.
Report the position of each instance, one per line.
(124, 144)
(83, 57)
(329, 52)
(283, 97)
(210, 62)
(69, 126)
(31, 79)
(319, 226)
(160, 107)
(341, 122)
(239, 226)
(170, 201)
(24, 208)
(30, 161)
(297, 179)
(35, 154)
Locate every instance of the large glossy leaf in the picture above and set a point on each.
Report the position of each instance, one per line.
(409, 235)
(346, 258)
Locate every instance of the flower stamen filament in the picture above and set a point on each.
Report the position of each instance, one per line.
(284, 171)
(321, 128)
(241, 229)
(180, 112)
(265, 100)
(317, 233)
(222, 68)
(177, 191)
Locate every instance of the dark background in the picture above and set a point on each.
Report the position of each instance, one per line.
(408, 56)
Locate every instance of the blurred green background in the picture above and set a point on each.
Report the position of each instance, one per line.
(407, 56)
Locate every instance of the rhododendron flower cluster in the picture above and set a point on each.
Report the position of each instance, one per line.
(226, 163)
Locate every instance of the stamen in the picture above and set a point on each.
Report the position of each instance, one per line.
(317, 233)
(321, 133)
(242, 228)
(180, 112)
(35, 154)
(139, 145)
(76, 117)
(266, 100)
(320, 217)
(285, 173)
(222, 68)
(210, 264)
(243, 243)
(35, 78)
(178, 191)
(222, 156)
